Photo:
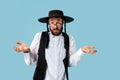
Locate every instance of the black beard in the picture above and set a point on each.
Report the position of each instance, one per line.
(56, 34)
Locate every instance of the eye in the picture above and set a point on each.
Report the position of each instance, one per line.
(58, 24)
(52, 22)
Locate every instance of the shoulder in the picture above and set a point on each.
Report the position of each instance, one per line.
(72, 41)
(71, 38)
(38, 35)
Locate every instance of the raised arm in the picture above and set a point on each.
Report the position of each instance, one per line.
(75, 56)
(30, 53)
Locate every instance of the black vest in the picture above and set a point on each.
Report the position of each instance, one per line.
(41, 67)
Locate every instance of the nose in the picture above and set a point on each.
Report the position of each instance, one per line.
(55, 26)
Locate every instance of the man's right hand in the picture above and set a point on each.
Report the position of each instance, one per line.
(22, 47)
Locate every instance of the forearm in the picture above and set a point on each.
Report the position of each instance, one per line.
(30, 58)
(75, 58)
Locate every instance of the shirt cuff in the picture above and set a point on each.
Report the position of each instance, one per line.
(80, 52)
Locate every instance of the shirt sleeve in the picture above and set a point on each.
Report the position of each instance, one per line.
(75, 56)
(32, 57)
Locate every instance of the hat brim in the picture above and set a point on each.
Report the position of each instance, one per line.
(66, 18)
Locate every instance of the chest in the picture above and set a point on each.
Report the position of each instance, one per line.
(56, 49)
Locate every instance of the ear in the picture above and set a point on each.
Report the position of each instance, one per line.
(48, 21)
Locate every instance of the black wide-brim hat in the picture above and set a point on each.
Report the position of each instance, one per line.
(56, 14)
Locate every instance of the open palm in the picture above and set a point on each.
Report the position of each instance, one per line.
(22, 47)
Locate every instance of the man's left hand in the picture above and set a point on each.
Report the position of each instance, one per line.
(89, 49)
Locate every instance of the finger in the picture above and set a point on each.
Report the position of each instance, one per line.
(93, 51)
(87, 50)
(15, 48)
(18, 49)
(90, 47)
(20, 43)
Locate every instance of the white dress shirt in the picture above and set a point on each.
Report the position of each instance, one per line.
(54, 55)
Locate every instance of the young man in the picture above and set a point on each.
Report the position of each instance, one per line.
(53, 52)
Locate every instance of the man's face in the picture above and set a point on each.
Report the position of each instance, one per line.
(56, 25)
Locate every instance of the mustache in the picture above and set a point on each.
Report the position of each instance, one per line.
(56, 29)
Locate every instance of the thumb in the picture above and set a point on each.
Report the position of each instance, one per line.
(19, 43)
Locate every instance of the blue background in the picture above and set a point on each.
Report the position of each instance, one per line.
(96, 23)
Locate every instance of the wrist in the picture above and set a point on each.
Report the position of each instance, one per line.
(27, 51)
